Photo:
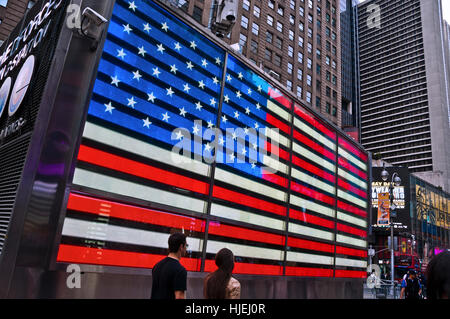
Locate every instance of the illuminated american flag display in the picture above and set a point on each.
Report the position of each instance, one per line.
(159, 84)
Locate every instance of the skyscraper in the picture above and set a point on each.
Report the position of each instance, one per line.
(297, 42)
(11, 11)
(404, 82)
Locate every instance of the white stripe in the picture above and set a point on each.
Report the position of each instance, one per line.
(274, 164)
(118, 234)
(312, 232)
(352, 219)
(351, 241)
(129, 144)
(352, 159)
(126, 188)
(245, 251)
(351, 262)
(313, 157)
(305, 128)
(352, 178)
(248, 184)
(276, 137)
(352, 199)
(279, 111)
(246, 217)
(304, 203)
(312, 181)
(309, 258)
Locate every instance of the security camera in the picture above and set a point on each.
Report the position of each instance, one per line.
(93, 17)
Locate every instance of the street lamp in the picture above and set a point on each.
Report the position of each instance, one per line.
(397, 181)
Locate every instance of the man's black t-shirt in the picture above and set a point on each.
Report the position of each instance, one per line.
(168, 276)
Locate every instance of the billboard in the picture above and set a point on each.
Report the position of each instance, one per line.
(400, 197)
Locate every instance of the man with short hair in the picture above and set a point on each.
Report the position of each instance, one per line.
(412, 288)
(169, 277)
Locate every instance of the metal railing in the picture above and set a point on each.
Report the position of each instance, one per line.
(383, 291)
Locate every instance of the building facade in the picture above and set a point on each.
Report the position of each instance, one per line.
(404, 88)
(297, 42)
(11, 12)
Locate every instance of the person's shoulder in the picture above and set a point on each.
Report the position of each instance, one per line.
(234, 282)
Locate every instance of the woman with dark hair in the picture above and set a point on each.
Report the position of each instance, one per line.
(438, 277)
(220, 284)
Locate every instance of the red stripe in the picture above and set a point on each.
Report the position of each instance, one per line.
(108, 257)
(350, 274)
(217, 228)
(346, 164)
(353, 150)
(311, 245)
(280, 98)
(235, 197)
(313, 169)
(251, 269)
(312, 193)
(272, 149)
(127, 212)
(300, 111)
(308, 272)
(351, 252)
(277, 123)
(273, 178)
(352, 209)
(103, 159)
(313, 145)
(351, 230)
(310, 219)
(350, 188)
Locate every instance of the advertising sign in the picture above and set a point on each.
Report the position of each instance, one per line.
(383, 209)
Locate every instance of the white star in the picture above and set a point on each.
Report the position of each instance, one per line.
(232, 157)
(177, 46)
(173, 69)
(137, 75)
(234, 136)
(151, 97)
(186, 88)
(189, 65)
(166, 117)
(121, 53)
(258, 106)
(255, 146)
(253, 165)
(179, 135)
(238, 94)
(164, 26)
(240, 76)
(147, 27)
(156, 72)
(212, 102)
(142, 51)
(229, 78)
(236, 114)
(259, 88)
(201, 84)
(221, 140)
(249, 91)
(169, 91)
(218, 61)
(147, 122)
(210, 124)
(244, 151)
(198, 106)
(160, 48)
(195, 129)
(115, 80)
(126, 28)
(246, 131)
(132, 6)
(215, 80)
(226, 98)
(193, 45)
(183, 112)
(224, 118)
(131, 102)
(247, 110)
(256, 125)
(207, 147)
(109, 107)
(204, 63)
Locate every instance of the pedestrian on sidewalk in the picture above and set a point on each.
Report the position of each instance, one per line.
(412, 288)
(169, 277)
(220, 284)
(438, 277)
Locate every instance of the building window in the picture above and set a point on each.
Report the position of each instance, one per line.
(268, 55)
(256, 11)
(310, 33)
(270, 20)
(244, 22)
(327, 60)
(291, 51)
(254, 46)
(197, 15)
(310, 18)
(308, 96)
(255, 28)
(280, 10)
(309, 47)
(242, 40)
(292, 4)
(291, 35)
(301, 26)
(333, 36)
(328, 76)
(308, 79)
(319, 53)
(301, 11)
(271, 4)
(300, 57)
(318, 102)
(289, 68)
(300, 41)
(328, 91)
(327, 108)
(309, 63)
(279, 26)
(310, 4)
(291, 19)
(3, 3)
(31, 4)
(300, 74)
(299, 91)
(246, 5)
(277, 60)
(334, 111)
(269, 36)
(289, 85)
(334, 79)
(318, 68)
(279, 43)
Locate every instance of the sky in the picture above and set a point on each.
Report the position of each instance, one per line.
(445, 9)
